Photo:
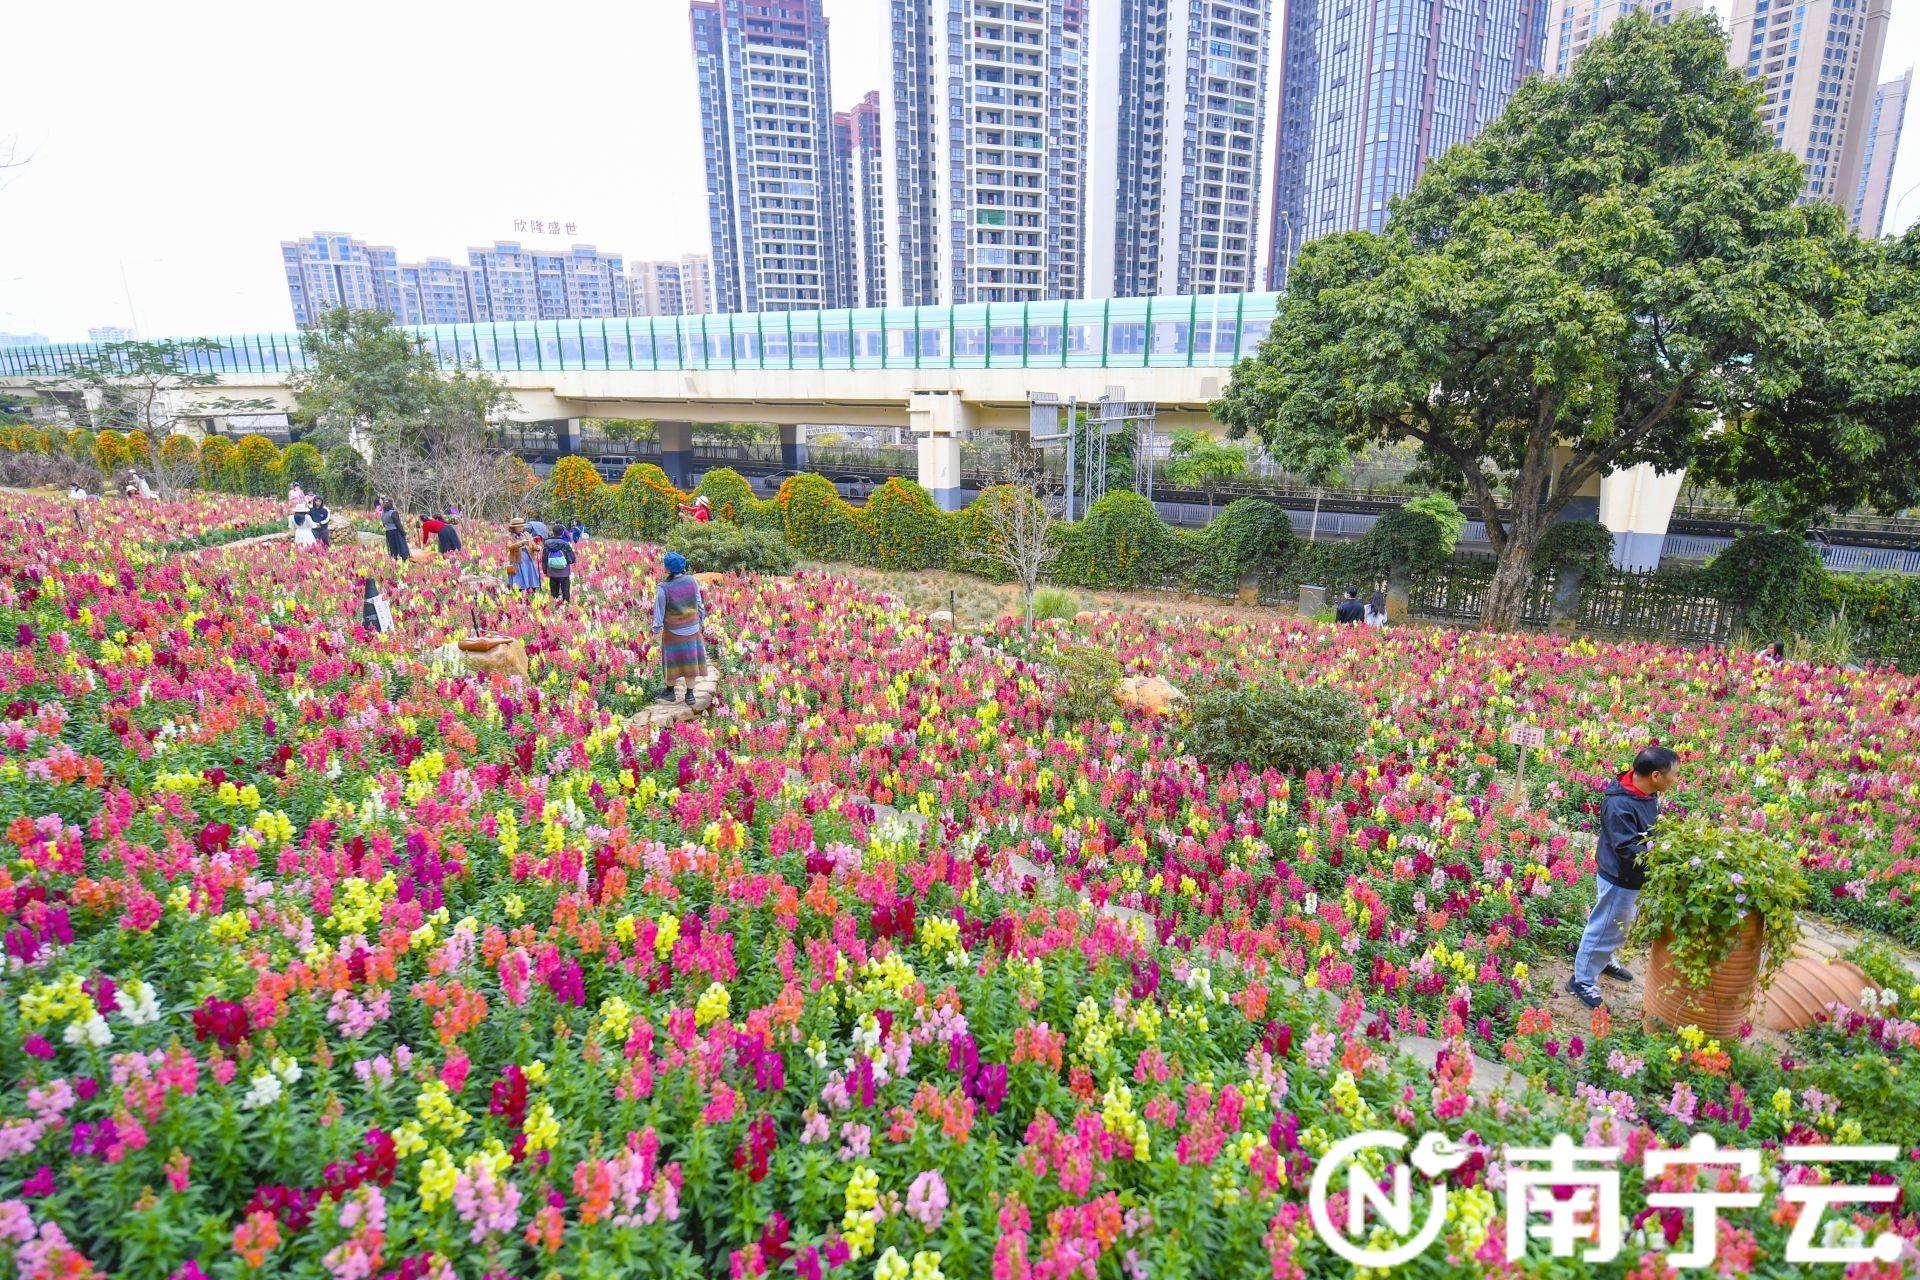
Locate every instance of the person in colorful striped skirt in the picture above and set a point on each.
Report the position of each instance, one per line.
(679, 626)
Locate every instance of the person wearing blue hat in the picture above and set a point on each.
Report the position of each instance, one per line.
(679, 626)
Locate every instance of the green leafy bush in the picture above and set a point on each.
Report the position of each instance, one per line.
(1084, 682)
(343, 476)
(818, 523)
(1774, 580)
(575, 491)
(1585, 545)
(909, 529)
(643, 505)
(973, 528)
(1288, 727)
(301, 463)
(1123, 542)
(1704, 879)
(1410, 537)
(1452, 520)
(717, 547)
(1252, 538)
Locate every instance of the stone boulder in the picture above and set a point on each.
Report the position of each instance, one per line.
(495, 655)
(709, 579)
(1152, 694)
(941, 618)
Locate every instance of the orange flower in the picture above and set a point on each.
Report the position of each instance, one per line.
(255, 1238)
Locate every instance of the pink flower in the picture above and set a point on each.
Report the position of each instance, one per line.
(927, 1200)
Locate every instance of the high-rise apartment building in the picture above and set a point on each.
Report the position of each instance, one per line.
(329, 269)
(682, 288)
(987, 163)
(696, 285)
(860, 163)
(1883, 151)
(1818, 63)
(1372, 92)
(1178, 110)
(1575, 24)
(110, 333)
(503, 282)
(437, 291)
(767, 123)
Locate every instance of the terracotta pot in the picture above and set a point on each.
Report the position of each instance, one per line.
(1719, 1008)
(1804, 987)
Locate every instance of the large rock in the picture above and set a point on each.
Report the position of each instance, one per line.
(495, 655)
(1149, 693)
(941, 618)
(709, 579)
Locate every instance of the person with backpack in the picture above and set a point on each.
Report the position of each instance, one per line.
(557, 557)
(1628, 809)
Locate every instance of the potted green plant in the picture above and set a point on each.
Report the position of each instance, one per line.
(1719, 908)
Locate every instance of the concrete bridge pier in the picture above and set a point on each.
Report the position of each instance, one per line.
(676, 452)
(938, 419)
(1636, 505)
(793, 450)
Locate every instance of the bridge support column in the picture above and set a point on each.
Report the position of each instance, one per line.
(566, 436)
(1637, 506)
(676, 452)
(938, 418)
(793, 450)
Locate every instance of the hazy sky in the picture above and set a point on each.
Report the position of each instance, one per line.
(170, 147)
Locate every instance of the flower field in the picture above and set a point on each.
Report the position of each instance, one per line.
(327, 959)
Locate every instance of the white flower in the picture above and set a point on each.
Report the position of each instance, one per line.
(91, 1030)
(265, 1091)
(139, 1004)
(286, 1068)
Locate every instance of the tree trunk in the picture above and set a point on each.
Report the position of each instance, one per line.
(1507, 593)
(1029, 613)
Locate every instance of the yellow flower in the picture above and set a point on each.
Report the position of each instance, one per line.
(437, 1178)
(543, 1130)
(891, 1266)
(714, 1005)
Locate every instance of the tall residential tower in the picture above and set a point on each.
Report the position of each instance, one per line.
(1883, 152)
(1575, 24)
(765, 113)
(1178, 112)
(987, 182)
(1374, 91)
(1818, 63)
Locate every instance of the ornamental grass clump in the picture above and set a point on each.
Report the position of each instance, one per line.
(1704, 879)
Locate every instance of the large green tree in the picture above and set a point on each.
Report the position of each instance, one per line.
(1198, 461)
(1845, 434)
(367, 375)
(1609, 269)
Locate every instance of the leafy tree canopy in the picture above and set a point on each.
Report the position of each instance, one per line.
(363, 371)
(1611, 267)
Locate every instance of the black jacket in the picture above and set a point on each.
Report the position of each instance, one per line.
(1626, 821)
(1349, 611)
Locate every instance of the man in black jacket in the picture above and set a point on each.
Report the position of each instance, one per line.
(1350, 610)
(1628, 809)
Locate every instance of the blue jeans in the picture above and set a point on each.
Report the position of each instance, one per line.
(1613, 911)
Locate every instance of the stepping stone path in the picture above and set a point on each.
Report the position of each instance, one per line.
(656, 716)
